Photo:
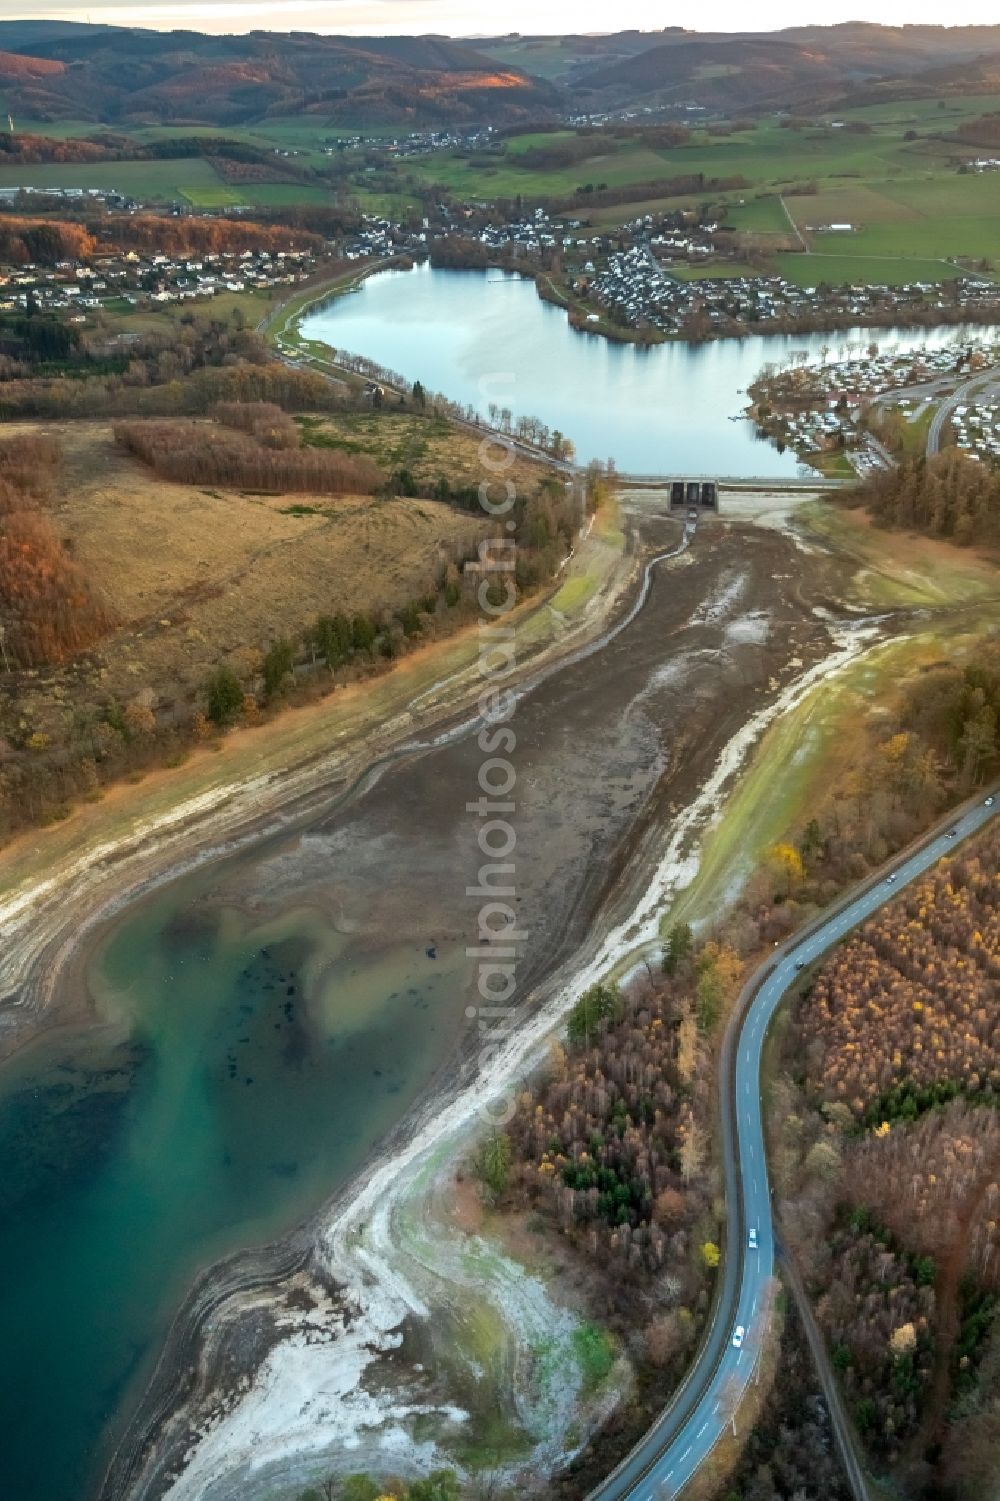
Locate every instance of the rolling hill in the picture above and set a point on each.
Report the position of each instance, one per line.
(725, 71)
(785, 69)
(124, 76)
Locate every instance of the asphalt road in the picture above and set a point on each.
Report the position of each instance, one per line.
(680, 1441)
(946, 408)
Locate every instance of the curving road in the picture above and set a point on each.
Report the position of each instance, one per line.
(946, 408)
(679, 1442)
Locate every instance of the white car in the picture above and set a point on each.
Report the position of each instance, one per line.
(890, 879)
(989, 802)
(738, 1335)
(752, 1239)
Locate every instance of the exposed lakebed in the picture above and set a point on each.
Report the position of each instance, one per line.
(263, 1023)
(259, 1026)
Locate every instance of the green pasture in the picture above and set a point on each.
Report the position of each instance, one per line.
(926, 218)
(713, 271)
(501, 176)
(860, 270)
(190, 178)
(760, 215)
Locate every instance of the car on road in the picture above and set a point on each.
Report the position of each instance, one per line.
(800, 964)
(989, 801)
(952, 833)
(739, 1333)
(752, 1239)
(889, 879)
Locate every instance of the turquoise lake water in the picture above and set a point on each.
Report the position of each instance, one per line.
(239, 1077)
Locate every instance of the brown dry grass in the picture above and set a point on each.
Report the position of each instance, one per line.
(428, 446)
(195, 574)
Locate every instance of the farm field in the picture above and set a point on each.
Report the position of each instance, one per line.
(766, 155)
(128, 318)
(277, 194)
(932, 114)
(385, 205)
(507, 178)
(930, 217)
(192, 178)
(621, 213)
(761, 215)
(928, 239)
(714, 271)
(848, 265)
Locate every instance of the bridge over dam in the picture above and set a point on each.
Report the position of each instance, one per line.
(706, 490)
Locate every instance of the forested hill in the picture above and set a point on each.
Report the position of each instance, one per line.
(118, 75)
(55, 70)
(805, 66)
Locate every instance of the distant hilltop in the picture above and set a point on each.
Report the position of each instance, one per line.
(123, 76)
(128, 77)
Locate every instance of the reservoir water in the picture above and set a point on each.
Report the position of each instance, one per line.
(240, 1072)
(481, 336)
(263, 1023)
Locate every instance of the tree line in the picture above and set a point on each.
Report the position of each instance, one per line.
(205, 453)
(948, 495)
(263, 420)
(167, 235)
(23, 147)
(48, 611)
(43, 242)
(46, 241)
(983, 131)
(604, 196)
(181, 371)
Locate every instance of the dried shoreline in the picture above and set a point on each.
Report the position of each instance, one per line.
(53, 924)
(353, 1235)
(49, 922)
(346, 1244)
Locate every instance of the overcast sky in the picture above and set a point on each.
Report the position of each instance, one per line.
(465, 18)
